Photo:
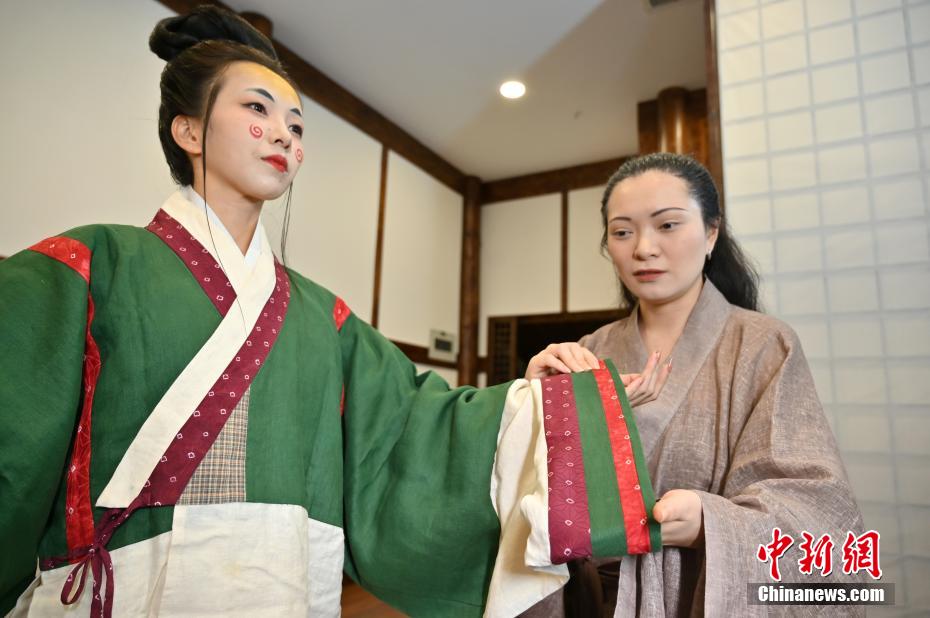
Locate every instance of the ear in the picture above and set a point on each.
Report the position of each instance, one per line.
(187, 133)
(712, 233)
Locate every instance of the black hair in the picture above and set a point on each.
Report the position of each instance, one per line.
(198, 47)
(728, 269)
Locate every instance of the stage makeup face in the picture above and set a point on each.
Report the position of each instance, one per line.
(656, 237)
(254, 146)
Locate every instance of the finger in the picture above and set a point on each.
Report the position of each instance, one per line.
(539, 367)
(632, 389)
(553, 358)
(650, 366)
(633, 394)
(582, 356)
(587, 358)
(544, 364)
(567, 354)
(578, 354)
(651, 362)
(663, 378)
(627, 378)
(649, 389)
(534, 368)
(552, 361)
(669, 507)
(593, 361)
(658, 512)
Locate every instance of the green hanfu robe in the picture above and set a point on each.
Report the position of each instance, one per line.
(121, 345)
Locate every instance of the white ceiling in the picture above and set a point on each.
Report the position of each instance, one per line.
(433, 68)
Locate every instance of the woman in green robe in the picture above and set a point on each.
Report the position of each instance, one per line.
(185, 417)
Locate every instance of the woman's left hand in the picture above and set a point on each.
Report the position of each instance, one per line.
(645, 387)
(682, 518)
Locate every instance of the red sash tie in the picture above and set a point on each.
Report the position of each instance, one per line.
(96, 559)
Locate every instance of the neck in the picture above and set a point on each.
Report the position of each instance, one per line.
(661, 324)
(237, 212)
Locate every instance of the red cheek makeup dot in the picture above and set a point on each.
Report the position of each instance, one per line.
(299, 154)
(256, 131)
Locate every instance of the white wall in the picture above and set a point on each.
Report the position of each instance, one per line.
(80, 142)
(592, 282)
(826, 133)
(521, 250)
(81, 146)
(520, 259)
(422, 255)
(334, 209)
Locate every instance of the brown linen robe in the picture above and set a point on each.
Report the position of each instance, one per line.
(740, 423)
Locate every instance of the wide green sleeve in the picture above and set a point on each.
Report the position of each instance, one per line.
(421, 531)
(43, 314)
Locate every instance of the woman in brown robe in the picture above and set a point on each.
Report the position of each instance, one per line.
(737, 441)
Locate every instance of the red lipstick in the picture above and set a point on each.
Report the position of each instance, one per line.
(276, 161)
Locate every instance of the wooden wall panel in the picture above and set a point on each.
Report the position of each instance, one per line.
(675, 109)
(469, 285)
(550, 181)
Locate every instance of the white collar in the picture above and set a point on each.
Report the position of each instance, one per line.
(256, 247)
(196, 220)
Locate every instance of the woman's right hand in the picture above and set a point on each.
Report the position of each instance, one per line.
(570, 357)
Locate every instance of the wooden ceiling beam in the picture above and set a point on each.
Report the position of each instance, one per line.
(551, 181)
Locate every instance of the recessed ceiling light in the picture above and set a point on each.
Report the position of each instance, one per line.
(512, 89)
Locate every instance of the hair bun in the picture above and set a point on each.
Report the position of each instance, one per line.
(173, 35)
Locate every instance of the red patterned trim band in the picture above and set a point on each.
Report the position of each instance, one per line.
(569, 519)
(197, 435)
(341, 313)
(72, 253)
(628, 483)
(169, 477)
(79, 518)
(205, 269)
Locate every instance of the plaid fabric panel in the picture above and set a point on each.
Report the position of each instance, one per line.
(220, 477)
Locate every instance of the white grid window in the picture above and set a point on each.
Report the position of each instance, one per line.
(825, 109)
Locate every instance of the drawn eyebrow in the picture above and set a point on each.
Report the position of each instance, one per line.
(268, 96)
(263, 92)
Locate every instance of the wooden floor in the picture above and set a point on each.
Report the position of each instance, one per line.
(356, 603)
